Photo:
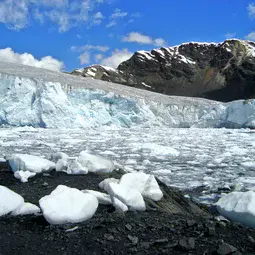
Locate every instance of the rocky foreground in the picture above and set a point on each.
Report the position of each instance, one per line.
(174, 225)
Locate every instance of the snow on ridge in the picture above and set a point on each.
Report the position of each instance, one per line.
(108, 68)
(91, 70)
(91, 73)
(146, 54)
(175, 48)
(196, 43)
(79, 70)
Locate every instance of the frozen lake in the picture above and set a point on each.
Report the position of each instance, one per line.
(203, 162)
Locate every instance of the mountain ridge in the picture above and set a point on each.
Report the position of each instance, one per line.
(218, 71)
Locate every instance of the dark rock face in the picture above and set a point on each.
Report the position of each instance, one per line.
(223, 72)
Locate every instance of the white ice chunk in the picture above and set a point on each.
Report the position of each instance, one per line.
(159, 150)
(68, 205)
(144, 183)
(102, 198)
(23, 176)
(75, 167)
(62, 165)
(131, 162)
(239, 207)
(26, 209)
(59, 155)
(130, 197)
(248, 164)
(9, 200)
(162, 172)
(34, 164)
(95, 163)
(105, 183)
(120, 206)
(146, 162)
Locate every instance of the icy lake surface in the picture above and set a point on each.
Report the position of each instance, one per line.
(202, 162)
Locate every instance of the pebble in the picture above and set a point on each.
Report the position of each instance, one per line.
(133, 239)
(226, 249)
(187, 244)
(128, 227)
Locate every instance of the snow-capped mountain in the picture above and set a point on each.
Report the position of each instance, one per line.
(219, 71)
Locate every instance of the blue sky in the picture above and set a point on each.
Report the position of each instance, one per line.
(69, 34)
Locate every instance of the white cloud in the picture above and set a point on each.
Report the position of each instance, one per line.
(66, 14)
(63, 14)
(144, 39)
(39, 16)
(111, 24)
(99, 15)
(14, 13)
(84, 58)
(159, 42)
(48, 62)
(60, 18)
(88, 47)
(86, 50)
(230, 35)
(117, 14)
(117, 57)
(136, 15)
(251, 36)
(50, 3)
(98, 57)
(98, 18)
(251, 10)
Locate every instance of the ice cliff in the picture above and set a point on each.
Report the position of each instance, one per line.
(41, 98)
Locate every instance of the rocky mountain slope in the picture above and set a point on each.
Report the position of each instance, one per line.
(224, 71)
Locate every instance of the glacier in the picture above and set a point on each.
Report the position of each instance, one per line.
(41, 98)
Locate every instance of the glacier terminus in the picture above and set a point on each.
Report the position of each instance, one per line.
(41, 98)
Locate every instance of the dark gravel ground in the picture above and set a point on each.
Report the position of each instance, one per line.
(111, 232)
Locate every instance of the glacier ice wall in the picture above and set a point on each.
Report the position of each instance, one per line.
(29, 101)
